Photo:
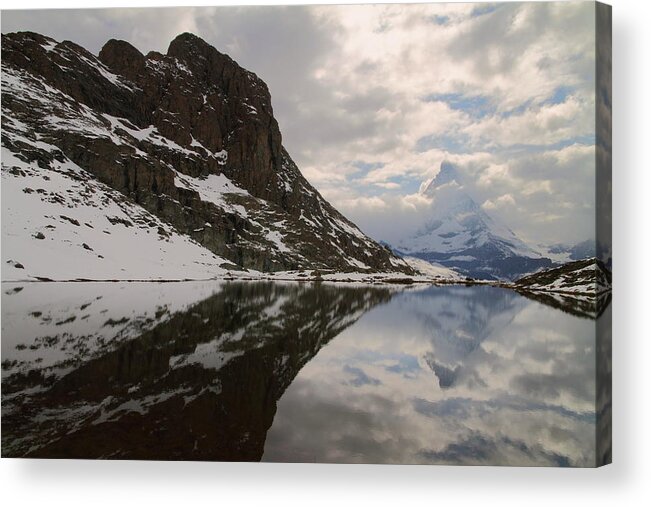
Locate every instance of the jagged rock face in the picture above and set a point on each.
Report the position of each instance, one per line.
(190, 136)
(195, 92)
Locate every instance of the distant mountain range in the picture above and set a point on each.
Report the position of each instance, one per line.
(170, 165)
(560, 252)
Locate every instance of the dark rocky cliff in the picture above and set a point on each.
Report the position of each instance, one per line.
(190, 136)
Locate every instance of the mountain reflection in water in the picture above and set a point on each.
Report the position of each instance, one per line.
(240, 371)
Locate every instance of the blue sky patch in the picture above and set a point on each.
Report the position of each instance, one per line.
(483, 9)
(360, 378)
(452, 143)
(367, 166)
(588, 140)
(476, 106)
(559, 95)
(440, 20)
(407, 366)
(517, 110)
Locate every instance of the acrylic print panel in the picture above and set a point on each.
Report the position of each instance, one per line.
(344, 234)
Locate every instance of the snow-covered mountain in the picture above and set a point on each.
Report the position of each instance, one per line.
(459, 234)
(561, 252)
(160, 166)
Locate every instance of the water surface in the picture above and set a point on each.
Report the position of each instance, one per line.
(296, 372)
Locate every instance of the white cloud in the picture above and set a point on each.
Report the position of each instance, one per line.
(503, 201)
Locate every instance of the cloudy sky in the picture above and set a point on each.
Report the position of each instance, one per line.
(372, 98)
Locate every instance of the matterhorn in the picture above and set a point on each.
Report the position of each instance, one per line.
(459, 234)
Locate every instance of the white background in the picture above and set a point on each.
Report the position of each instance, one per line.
(626, 482)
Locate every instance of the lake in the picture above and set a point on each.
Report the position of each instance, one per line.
(300, 372)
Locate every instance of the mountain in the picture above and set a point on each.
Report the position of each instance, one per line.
(560, 252)
(459, 234)
(588, 277)
(152, 166)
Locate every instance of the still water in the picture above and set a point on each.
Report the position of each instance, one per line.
(299, 372)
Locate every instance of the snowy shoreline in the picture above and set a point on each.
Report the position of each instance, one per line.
(392, 279)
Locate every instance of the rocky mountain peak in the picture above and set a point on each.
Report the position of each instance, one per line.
(123, 58)
(447, 174)
(191, 49)
(212, 67)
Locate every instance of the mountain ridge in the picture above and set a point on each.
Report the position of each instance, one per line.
(589, 277)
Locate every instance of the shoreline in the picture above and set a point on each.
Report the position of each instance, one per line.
(388, 281)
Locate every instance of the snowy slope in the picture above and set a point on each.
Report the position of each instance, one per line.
(62, 224)
(461, 235)
(432, 269)
(589, 277)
